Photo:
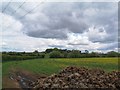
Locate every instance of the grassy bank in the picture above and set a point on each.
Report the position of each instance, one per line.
(49, 66)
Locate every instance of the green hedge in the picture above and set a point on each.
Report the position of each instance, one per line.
(15, 57)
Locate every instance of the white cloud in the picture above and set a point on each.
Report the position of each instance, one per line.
(97, 34)
(66, 25)
(78, 39)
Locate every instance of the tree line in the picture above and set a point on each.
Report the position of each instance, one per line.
(55, 53)
(64, 53)
(13, 56)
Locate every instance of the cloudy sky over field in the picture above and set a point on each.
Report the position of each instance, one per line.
(29, 26)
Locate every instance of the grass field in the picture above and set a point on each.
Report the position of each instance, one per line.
(0, 75)
(50, 66)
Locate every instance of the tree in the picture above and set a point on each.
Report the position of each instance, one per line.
(36, 51)
(56, 49)
(48, 50)
(86, 51)
(74, 54)
(112, 54)
(55, 54)
(94, 54)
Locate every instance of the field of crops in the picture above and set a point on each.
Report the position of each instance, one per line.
(50, 66)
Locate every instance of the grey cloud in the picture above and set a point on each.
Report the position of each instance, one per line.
(71, 17)
(119, 44)
(110, 37)
(105, 15)
(111, 46)
(58, 24)
(66, 16)
(56, 46)
(77, 44)
(75, 26)
(107, 39)
(69, 23)
(55, 20)
(47, 34)
(62, 21)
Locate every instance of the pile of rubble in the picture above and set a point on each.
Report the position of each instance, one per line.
(73, 77)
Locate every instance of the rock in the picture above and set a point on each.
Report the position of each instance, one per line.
(55, 86)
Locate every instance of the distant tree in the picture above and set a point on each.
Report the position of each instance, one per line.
(118, 54)
(12, 53)
(112, 54)
(41, 55)
(65, 50)
(23, 52)
(74, 54)
(48, 50)
(86, 51)
(55, 54)
(68, 51)
(4, 52)
(94, 54)
(36, 51)
(56, 49)
(18, 53)
(65, 54)
(80, 51)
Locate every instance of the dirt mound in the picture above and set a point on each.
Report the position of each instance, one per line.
(73, 77)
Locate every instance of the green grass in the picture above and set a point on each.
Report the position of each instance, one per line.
(0, 75)
(50, 66)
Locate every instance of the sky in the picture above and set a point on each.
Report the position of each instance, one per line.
(29, 26)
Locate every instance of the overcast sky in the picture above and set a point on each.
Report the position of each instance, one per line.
(89, 26)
